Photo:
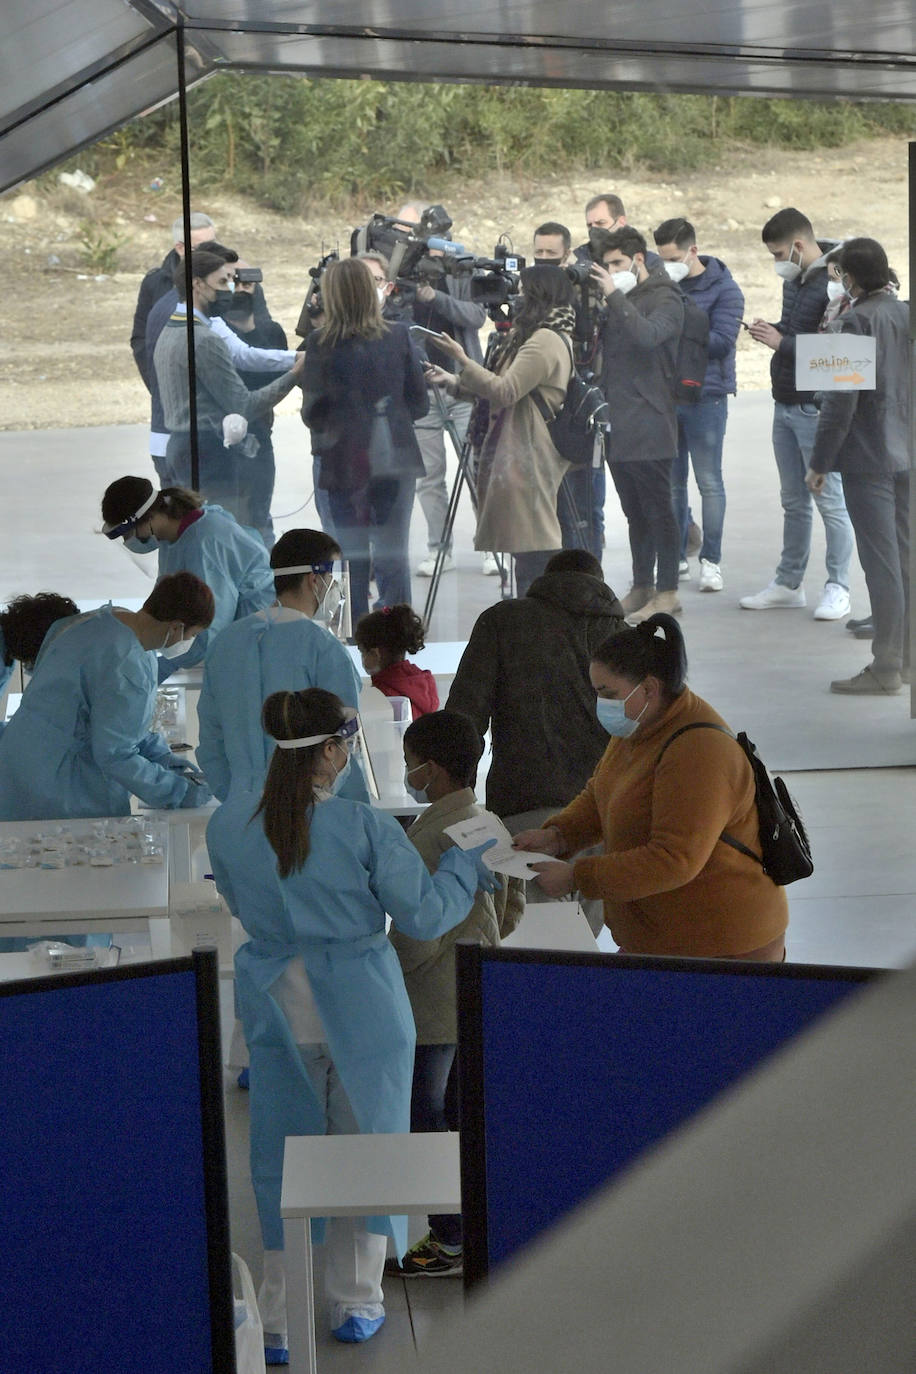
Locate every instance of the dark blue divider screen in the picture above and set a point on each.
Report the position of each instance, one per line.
(103, 1231)
(586, 1064)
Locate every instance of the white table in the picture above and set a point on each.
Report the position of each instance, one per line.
(354, 1176)
(39, 902)
(553, 925)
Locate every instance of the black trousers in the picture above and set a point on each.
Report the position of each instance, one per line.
(644, 488)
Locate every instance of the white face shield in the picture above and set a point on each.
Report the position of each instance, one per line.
(136, 549)
(332, 588)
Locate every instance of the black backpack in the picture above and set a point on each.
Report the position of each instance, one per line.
(580, 428)
(785, 853)
(692, 354)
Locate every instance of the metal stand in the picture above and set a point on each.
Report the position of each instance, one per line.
(465, 474)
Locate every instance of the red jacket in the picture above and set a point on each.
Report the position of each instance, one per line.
(405, 679)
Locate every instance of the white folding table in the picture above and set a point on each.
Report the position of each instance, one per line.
(39, 902)
(353, 1176)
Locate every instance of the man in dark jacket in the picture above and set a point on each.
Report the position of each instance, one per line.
(639, 343)
(800, 262)
(524, 674)
(159, 282)
(701, 425)
(865, 436)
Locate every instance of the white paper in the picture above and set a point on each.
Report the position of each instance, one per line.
(834, 362)
(500, 857)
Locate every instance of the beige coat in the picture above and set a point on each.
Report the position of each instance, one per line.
(520, 470)
(429, 965)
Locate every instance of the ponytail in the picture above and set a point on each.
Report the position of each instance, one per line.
(289, 789)
(654, 648)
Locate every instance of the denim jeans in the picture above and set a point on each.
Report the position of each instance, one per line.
(794, 427)
(700, 435)
(372, 526)
(434, 1107)
(432, 489)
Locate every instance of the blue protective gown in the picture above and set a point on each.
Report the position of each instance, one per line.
(6, 671)
(274, 650)
(79, 745)
(235, 565)
(332, 914)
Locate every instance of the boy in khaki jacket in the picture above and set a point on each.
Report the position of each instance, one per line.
(441, 753)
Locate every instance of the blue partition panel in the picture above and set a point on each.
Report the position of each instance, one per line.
(113, 1239)
(573, 1065)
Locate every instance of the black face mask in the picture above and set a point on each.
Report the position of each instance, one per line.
(221, 305)
(242, 305)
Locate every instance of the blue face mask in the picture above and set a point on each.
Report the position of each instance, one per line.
(137, 545)
(342, 776)
(612, 715)
(418, 793)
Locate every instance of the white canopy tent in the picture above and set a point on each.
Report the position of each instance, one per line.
(75, 69)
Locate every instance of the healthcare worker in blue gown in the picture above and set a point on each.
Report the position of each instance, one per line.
(23, 626)
(190, 536)
(311, 876)
(285, 647)
(80, 743)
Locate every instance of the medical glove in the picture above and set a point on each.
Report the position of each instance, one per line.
(198, 794)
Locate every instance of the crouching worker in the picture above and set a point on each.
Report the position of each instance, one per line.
(319, 988)
(441, 752)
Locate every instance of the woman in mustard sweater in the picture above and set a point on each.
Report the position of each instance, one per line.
(669, 884)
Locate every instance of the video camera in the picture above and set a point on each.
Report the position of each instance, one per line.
(313, 306)
(407, 247)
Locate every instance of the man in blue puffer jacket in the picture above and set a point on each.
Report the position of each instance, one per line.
(701, 424)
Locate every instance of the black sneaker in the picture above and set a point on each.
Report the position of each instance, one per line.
(428, 1259)
(861, 629)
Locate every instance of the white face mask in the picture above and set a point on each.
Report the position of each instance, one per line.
(835, 290)
(788, 270)
(677, 271)
(419, 794)
(175, 650)
(624, 281)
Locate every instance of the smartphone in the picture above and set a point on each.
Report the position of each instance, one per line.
(430, 333)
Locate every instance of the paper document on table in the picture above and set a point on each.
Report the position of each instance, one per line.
(500, 857)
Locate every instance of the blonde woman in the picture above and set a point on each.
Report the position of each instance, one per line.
(363, 387)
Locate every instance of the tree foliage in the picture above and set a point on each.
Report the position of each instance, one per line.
(294, 141)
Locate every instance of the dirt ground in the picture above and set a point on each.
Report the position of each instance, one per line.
(64, 353)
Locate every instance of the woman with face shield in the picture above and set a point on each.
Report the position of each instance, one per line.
(190, 536)
(79, 745)
(520, 470)
(675, 809)
(311, 876)
(362, 388)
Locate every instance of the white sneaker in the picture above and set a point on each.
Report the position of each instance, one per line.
(683, 571)
(428, 566)
(834, 604)
(490, 567)
(710, 576)
(775, 597)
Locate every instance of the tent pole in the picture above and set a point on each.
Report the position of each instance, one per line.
(186, 217)
(912, 565)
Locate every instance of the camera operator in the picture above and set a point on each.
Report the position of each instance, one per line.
(446, 308)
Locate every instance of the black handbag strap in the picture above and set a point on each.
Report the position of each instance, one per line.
(546, 413)
(711, 725)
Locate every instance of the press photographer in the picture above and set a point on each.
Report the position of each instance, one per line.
(441, 303)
